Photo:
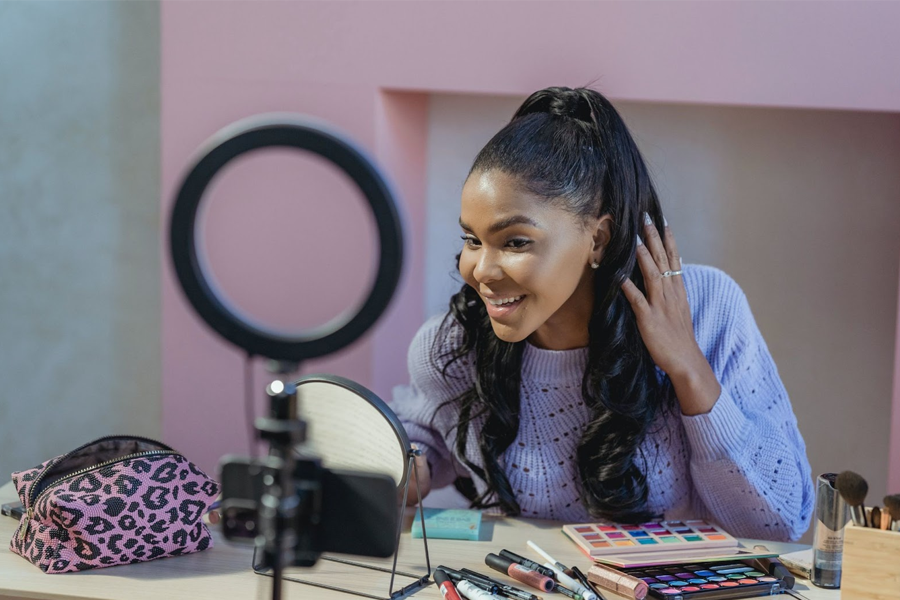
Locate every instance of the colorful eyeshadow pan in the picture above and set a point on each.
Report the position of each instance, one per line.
(647, 537)
(698, 581)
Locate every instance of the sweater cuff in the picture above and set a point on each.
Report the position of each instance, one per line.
(718, 434)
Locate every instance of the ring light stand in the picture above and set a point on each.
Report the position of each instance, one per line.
(285, 427)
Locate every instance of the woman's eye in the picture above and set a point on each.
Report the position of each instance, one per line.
(518, 243)
(470, 241)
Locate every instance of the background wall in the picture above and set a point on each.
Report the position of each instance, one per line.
(90, 85)
(79, 225)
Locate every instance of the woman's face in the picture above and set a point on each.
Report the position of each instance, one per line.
(529, 260)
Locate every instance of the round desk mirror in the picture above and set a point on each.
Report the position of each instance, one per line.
(351, 428)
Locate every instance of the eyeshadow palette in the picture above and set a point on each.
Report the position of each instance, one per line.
(708, 581)
(598, 539)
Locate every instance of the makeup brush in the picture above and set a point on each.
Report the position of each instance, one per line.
(875, 517)
(892, 506)
(853, 489)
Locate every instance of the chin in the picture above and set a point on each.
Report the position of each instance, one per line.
(509, 334)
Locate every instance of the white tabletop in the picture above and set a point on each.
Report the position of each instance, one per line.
(224, 571)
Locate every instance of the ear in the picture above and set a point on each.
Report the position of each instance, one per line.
(602, 233)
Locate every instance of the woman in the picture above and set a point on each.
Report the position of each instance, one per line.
(582, 371)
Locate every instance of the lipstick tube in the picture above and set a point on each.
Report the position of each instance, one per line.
(519, 573)
(617, 581)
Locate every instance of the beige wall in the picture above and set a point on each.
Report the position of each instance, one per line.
(801, 207)
(79, 225)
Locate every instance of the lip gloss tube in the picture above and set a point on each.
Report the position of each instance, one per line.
(519, 573)
(528, 563)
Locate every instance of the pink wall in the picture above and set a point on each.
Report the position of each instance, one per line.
(367, 67)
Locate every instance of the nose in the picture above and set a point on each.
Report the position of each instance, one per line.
(487, 267)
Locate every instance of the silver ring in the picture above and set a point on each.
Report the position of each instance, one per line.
(671, 273)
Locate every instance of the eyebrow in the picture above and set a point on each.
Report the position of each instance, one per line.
(503, 224)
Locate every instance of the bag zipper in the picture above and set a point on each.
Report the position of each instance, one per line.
(29, 514)
(26, 521)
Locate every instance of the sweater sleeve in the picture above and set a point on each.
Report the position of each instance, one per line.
(421, 407)
(748, 459)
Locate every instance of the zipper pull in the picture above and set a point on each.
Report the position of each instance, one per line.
(26, 521)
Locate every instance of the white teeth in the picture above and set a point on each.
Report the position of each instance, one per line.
(502, 301)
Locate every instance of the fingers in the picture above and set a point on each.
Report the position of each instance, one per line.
(655, 245)
(671, 248)
(635, 297)
(653, 279)
(677, 282)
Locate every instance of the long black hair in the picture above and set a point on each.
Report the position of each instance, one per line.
(571, 147)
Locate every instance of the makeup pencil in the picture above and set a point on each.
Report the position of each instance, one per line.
(583, 580)
(501, 588)
(561, 575)
(480, 581)
(448, 591)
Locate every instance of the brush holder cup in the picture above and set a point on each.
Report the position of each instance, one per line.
(871, 564)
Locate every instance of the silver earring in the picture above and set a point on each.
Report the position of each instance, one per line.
(595, 265)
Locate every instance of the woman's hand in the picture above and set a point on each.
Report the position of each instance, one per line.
(424, 480)
(664, 320)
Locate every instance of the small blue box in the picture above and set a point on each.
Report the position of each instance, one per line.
(449, 524)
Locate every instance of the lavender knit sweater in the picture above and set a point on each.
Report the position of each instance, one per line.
(742, 465)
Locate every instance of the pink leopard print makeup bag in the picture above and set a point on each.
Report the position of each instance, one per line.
(114, 501)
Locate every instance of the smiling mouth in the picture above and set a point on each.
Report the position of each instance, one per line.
(499, 308)
(502, 301)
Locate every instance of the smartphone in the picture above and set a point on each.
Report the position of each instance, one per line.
(358, 512)
(13, 509)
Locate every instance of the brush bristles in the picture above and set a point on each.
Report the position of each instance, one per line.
(892, 504)
(852, 487)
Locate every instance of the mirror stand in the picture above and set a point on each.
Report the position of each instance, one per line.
(419, 580)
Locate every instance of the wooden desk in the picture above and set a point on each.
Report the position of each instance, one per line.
(224, 572)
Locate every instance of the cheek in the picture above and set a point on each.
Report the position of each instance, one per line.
(467, 268)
